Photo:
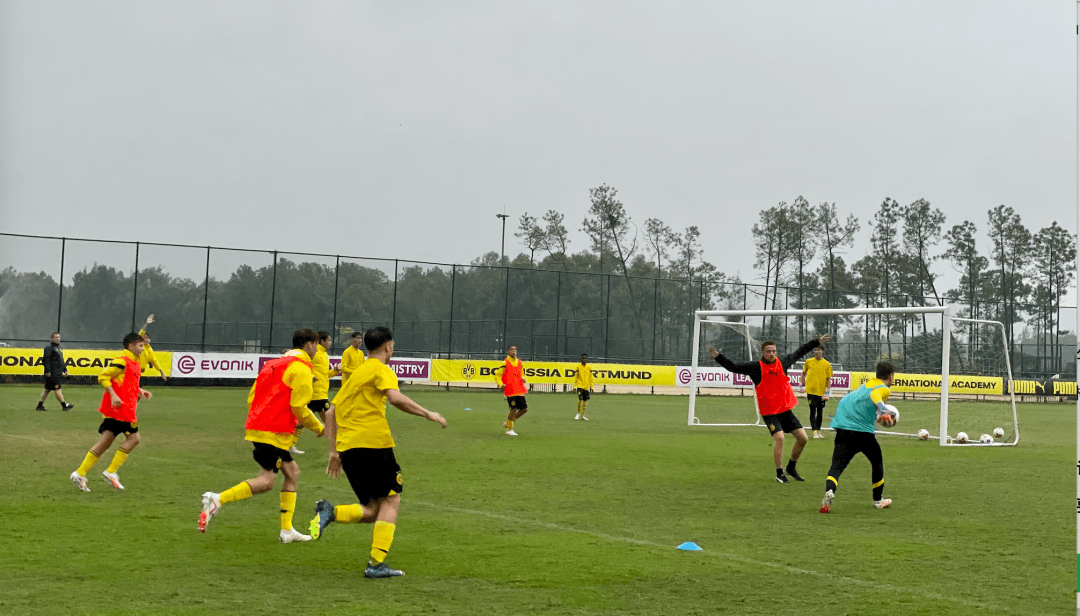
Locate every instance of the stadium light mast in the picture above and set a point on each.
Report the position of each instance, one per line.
(502, 252)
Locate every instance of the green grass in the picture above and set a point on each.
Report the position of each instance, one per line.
(568, 518)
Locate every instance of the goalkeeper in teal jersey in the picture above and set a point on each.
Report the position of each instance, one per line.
(854, 426)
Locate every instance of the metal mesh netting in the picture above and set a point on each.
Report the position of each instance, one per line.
(29, 289)
(99, 292)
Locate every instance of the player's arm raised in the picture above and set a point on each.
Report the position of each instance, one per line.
(404, 403)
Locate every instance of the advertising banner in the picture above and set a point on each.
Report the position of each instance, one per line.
(247, 366)
(931, 383)
(484, 371)
(78, 361)
(715, 376)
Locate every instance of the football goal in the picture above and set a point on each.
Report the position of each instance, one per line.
(953, 380)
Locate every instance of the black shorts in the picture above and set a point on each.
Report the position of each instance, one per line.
(118, 427)
(517, 403)
(318, 406)
(583, 394)
(815, 401)
(786, 422)
(267, 456)
(52, 383)
(372, 473)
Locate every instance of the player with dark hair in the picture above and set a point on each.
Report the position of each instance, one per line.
(775, 398)
(361, 445)
(512, 379)
(52, 360)
(320, 390)
(118, 404)
(352, 356)
(817, 376)
(855, 433)
(277, 402)
(583, 386)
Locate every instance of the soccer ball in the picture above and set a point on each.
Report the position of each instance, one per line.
(999, 433)
(889, 418)
(962, 437)
(924, 434)
(986, 438)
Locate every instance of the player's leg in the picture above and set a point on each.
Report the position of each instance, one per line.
(110, 474)
(580, 403)
(41, 401)
(267, 457)
(815, 414)
(78, 477)
(288, 534)
(356, 464)
(872, 451)
(845, 446)
(778, 451)
(60, 398)
(584, 403)
(796, 451)
(524, 408)
(511, 416)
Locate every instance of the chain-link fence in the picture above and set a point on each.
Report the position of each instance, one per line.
(220, 299)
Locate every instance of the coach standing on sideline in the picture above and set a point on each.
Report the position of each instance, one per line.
(52, 360)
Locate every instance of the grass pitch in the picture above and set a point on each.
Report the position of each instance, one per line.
(570, 517)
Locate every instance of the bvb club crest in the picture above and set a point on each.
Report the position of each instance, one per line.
(468, 371)
(400, 482)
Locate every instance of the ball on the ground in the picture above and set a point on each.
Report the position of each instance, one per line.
(986, 438)
(961, 437)
(924, 434)
(999, 433)
(889, 418)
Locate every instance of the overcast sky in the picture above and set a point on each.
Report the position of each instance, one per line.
(399, 129)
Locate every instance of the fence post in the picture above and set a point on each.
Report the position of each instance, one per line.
(60, 303)
(273, 298)
(206, 299)
(558, 301)
(393, 317)
(506, 307)
(337, 272)
(607, 315)
(135, 292)
(654, 304)
(450, 333)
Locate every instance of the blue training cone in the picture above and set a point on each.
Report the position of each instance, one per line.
(468, 409)
(690, 546)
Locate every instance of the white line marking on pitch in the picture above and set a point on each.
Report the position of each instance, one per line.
(617, 538)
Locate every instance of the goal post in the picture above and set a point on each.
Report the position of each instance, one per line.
(952, 373)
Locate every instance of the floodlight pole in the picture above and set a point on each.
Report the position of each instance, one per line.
(502, 252)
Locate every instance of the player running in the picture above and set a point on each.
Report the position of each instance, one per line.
(583, 386)
(320, 389)
(362, 446)
(855, 433)
(118, 404)
(277, 402)
(775, 398)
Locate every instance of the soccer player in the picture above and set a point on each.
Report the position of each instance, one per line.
(775, 398)
(277, 400)
(513, 384)
(854, 425)
(118, 404)
(817, 378)
(352, 356)
(320, 394)
(52, 360)
(361, 445)
(583, 385)
(147, 359)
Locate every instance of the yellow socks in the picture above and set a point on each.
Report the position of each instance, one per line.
(238, 492)
(117, 460)
(288, 505)
(90, 460)
(381, 538)
(348, 513)
(509, 426)
(583, 405)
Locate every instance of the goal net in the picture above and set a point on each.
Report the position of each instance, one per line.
(945, 385)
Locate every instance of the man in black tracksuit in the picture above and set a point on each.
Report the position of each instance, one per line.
(52, 360)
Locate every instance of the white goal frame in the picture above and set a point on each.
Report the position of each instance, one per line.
(946, 313)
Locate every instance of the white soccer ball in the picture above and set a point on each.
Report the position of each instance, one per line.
(924, 434)
(962, 437)
(986, 438)
(999, 433)
(889, 418)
